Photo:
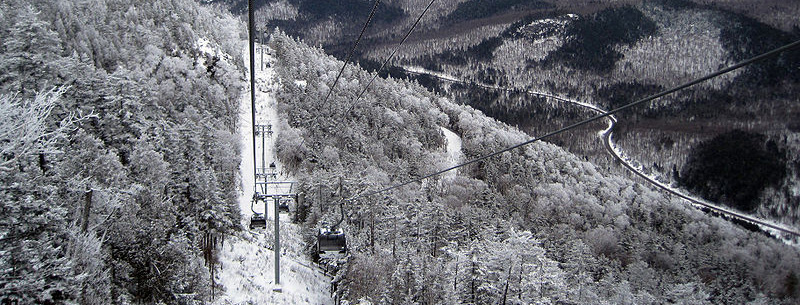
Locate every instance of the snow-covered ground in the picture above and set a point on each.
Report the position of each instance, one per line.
(247, 261)
(454, 154)
(441, 75)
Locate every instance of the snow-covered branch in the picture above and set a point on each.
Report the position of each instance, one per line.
(24, 128)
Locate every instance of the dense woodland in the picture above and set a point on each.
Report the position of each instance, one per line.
(119, 152)
(614, 55)
(474, 9)
(536, 225)
(118, 149)
(734, 167)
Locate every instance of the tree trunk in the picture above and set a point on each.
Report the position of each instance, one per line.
(519, 283)
(87, 207)
(455, 278)
(472, 283)
(508, 277)
(394, 239)
(372, 232)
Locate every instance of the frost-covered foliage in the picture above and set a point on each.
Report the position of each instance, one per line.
(110, 179)
(535, 225)
(278, 10)
(670, 42)
(671, 59)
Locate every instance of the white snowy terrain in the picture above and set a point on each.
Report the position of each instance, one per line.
(454, 152)
(247, 262)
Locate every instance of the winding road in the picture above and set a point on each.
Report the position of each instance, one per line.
(607, 135)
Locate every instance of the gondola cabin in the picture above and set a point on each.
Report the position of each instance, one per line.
(272, 173)
(258, 221)
(283, 205)
(331, 241)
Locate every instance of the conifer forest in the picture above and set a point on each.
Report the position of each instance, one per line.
(399, 152)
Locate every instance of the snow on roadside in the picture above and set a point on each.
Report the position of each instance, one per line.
(633, 165)
(247, 260)
(658, 181)
(446, 77)
(442, 75)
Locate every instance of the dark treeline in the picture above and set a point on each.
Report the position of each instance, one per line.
(734, 168)
(475, 9)
(591, 40)
(744, 37)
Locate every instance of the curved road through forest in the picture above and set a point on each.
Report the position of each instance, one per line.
(618, 154)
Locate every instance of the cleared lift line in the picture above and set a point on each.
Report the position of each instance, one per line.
(610, 113)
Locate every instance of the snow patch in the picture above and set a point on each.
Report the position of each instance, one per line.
(210, 49)
(454, 152)
(204, 45)
(546, 27)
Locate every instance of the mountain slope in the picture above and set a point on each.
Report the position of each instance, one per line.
(129, 161)
(555, 228)
(637, 50)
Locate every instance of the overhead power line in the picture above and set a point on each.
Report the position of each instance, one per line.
(594, 118)
(385, 62)
(251, 42)
(352, 50)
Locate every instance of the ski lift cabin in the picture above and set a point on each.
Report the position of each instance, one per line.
(331, 241)
(283, 205)
(258, 221)
(273, 171)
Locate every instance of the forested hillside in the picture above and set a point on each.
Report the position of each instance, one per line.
(117, 130)
(606, 53)
(615, 55)
(119, 151)
(535, 225)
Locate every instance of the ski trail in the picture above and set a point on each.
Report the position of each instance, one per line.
(246, 261)
(454, 153)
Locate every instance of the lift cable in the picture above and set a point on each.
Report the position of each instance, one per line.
(341, 219)
(705, 204)
(352, 50)
(594, 118)
(355, 101)
(385, 62)
(251, 46)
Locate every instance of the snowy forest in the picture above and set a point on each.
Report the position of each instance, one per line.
(604, 53)
(538, 225)
(121, 155)
(118, 148)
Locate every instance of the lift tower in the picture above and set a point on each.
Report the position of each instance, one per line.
(251, 39)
